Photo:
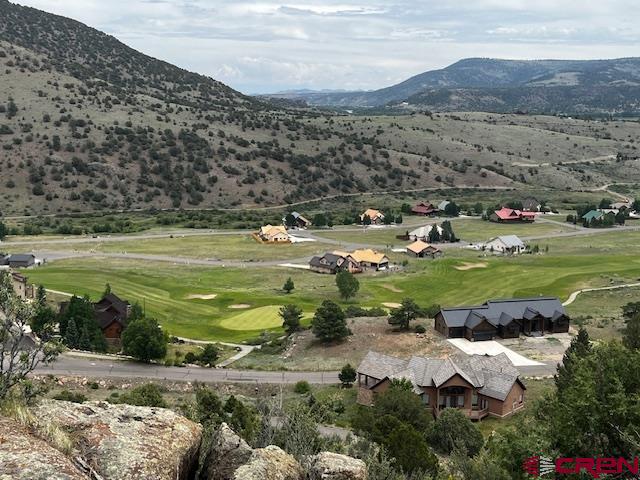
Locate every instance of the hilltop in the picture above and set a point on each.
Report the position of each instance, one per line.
(87, 123)
(495, 85)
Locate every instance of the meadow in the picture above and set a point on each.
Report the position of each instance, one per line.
(167, 291)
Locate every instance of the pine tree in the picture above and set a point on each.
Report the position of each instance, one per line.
(580, 347)
(71, 337)
(84, 343)
(329, 322)
(291, 315)
(347, 284)
(288, 285)
(631, 335)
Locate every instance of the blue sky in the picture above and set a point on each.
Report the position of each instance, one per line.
(267, 46)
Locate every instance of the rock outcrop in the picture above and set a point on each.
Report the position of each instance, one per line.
(270, 463)
(24, 457)
(333, 466)
(227, 453)
(124, 442)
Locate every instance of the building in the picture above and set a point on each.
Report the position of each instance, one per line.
(593, 215)
(21, 286)
(273, 234)
(19, 260)
(424, 209)
(376, 216)
(477, 385)
(369, 259)
(332, 263)
(509, 244)
(420, 249)
(442, 205)
(503, 318)
(422, 233)
(530, 204)
(111, 314)
(509, 215)
(298, 220)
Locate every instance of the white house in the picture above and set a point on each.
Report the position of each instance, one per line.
(422, 233)
(505, 244)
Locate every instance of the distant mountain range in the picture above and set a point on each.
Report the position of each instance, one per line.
(542, 86)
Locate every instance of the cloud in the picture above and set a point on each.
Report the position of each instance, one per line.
(354, 44)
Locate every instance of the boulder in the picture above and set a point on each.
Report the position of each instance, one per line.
(225, 455)
(125, 442)
(269, 463)
(334, 466)
(25, 457)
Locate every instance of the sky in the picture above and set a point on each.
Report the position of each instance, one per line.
(269, 46)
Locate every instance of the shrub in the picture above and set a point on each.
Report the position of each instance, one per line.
(420, 329)
(147, 395)
(302, 387)
(67, 396)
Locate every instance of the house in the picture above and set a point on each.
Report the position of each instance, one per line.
(592, 215)
(332, 263)
(505, 244)
(424, 209)
(530, 204)
(273, 234)
(422, 233)
(422, 249)
(477, 385)
(21, 286)
(442, 205)
(19, 260)
(621, 206)
(503, 318)
(110, 313)
(368, 259)
(505, 215)
(298, 220)
(376, 216)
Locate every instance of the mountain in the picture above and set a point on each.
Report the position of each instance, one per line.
(87, 123)
(556, 85)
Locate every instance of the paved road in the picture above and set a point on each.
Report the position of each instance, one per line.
(574, 295)
(93, 368)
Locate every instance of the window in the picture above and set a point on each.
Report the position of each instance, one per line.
(521, 398)
(460, 401)
(474, 400)
(425, 398)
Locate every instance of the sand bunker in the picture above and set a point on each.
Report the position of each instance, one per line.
(392, 288)
(391, 305)
(238, 306)
(470, 266)
(198, 296)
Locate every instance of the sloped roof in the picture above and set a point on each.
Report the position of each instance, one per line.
(509, 241)
(442, 205)
(21, 257)
(331, 260)
(494, 309)
(493, 376)
(418, 246)
(370, 256)
(270, 230)
(423, 232)
(372, 213)
(592, 214)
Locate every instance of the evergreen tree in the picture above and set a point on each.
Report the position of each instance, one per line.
(347, 375)
(84, 343)
(580, 347)
(107, 290)
(403, 315)
(631, 334)
(41, 296)
(434, 234)
(71, 337)
(291, 316)
(144, 339)
(288, 285)
(347, 284)
(209, 354)
(329, 322)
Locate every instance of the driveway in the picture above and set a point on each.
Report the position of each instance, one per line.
(491, 347)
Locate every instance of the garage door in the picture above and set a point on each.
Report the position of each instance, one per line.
(480, 336)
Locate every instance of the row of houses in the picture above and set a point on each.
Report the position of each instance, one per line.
(354, 262)
(511, 215)
(427, 209)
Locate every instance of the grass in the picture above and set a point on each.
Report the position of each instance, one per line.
(163, 288)
(219, 247)
(263, 318)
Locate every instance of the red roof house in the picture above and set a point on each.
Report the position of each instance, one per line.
(423, 209)
(510, 215)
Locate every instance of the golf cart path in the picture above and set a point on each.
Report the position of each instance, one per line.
(244, 349)
(575, 294)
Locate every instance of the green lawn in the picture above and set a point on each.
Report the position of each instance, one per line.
(475, 229)
(224, 247)
(373, 236)
(164, 288)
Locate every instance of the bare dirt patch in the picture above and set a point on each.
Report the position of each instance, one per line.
(392, 288)
(369, 333)
(239, 306)
(470, 266)
(391, 305)
(549, 348)
(198, 296)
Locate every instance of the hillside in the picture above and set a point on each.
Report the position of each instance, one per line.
(571, 86)
(87, 123)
